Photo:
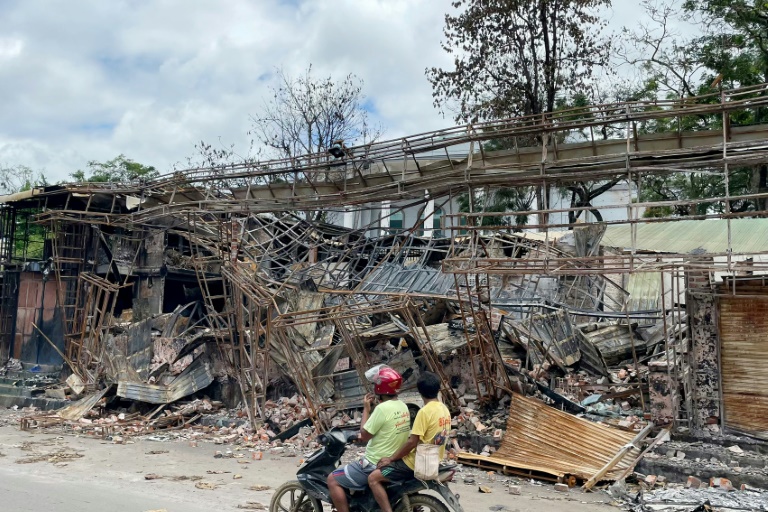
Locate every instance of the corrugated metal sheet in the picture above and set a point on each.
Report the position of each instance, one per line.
(444, 339)
(390, 277)
(77, 410)
(550, 235)
(549, 336)
(748, 236)
(349, 392)
(37, 304)
(195, 377)
(644, 291)
(744, 361)
(542, 439)
(614, 341)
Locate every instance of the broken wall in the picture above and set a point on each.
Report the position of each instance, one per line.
(37, 305)
(150, 283)
(702, 315)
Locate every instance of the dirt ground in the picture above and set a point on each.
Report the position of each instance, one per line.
(65, 473)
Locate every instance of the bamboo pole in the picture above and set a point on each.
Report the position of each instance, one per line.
(618, 457)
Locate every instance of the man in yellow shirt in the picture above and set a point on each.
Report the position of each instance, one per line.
(385, 430)
(432, 425)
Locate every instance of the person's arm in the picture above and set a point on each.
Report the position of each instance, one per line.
(413, 440)
(365, 435)
(408, 447)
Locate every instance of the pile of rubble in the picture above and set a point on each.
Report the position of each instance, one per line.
(677, 498)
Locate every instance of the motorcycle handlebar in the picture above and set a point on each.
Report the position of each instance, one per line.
(350, 437)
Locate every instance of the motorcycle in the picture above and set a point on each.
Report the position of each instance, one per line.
(309, 490)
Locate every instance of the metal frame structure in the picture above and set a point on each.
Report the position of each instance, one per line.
(254, 239)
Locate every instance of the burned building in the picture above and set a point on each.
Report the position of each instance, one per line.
(235, 280)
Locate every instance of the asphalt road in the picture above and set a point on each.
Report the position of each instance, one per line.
(92, 475)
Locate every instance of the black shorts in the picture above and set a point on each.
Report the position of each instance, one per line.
(398, 471)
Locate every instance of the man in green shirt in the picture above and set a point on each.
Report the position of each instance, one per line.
(432, 426)
(385, 430)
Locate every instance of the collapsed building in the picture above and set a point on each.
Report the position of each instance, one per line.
(237, 281)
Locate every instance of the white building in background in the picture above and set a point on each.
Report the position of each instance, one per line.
(611, 204)
(435, 218)
(430, 219)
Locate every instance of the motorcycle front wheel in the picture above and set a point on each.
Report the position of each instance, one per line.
(423, 503)
(291, 497)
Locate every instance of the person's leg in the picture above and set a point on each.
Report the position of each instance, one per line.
(376, 481)
(338, 495)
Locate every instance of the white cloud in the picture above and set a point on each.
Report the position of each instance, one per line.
(10, 48)
(150, 78)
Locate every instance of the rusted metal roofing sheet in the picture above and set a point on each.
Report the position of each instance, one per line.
(542, 439)
(744, 361)
(195, 377)
(748, 236)
(77, 410)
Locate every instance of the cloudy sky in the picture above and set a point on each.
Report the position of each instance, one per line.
(87, 80)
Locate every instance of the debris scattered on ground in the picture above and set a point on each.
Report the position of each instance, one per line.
(675, 499)
(54, 457)
(253, 505)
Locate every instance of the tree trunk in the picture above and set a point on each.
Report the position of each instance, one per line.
(759, 185)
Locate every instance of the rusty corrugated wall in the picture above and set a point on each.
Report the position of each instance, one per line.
(37, 305)
(744, 360)
(545, 439)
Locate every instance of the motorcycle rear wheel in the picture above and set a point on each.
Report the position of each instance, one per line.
(423, 503)
(291, 497)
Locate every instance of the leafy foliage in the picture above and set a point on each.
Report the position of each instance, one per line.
(29, 238)
(516, 57)
(118, 170)
(735, 43)
(731, 52)
(513, 58)
(499, 201)
(18, 178)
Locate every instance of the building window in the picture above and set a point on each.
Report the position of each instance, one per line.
(396, 222)
(436, 228)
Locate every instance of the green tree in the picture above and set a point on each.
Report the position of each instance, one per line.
(118, 170)
(18, 178)
(516, 58)
(732, 52)
(735, 41)
(500, 200)
(28, 237)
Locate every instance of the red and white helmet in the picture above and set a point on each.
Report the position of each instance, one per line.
(385, 380)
